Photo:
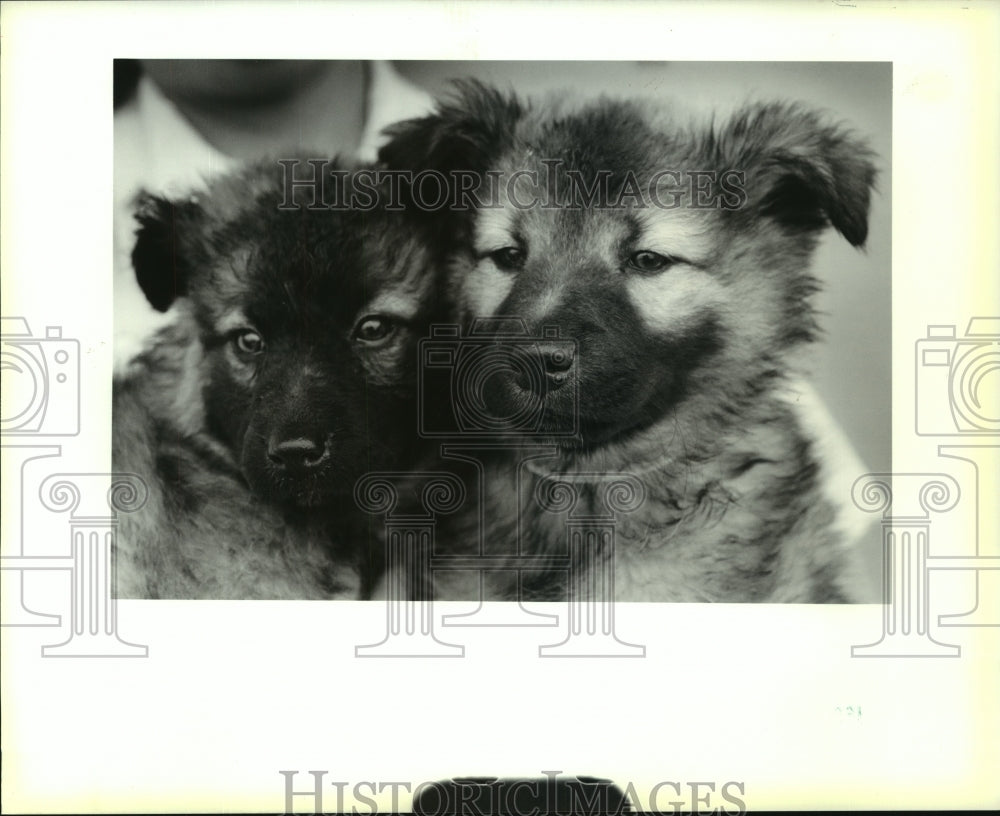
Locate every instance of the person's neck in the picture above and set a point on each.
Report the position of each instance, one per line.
(326, 113)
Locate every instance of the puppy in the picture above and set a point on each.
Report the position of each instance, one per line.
(662, 270)
(286, 375)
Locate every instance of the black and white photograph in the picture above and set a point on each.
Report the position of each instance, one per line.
(537, 285)
(612, 366)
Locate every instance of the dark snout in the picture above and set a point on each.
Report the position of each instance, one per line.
(562, 341)
(591, 363)
(297, 446)
(528, 383)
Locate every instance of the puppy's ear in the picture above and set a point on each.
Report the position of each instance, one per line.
(468, 130)
(801, 171)
(160, 256)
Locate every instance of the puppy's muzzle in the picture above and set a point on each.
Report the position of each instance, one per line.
(298, 456)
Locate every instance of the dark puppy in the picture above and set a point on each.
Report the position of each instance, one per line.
(673, 260)
(287, 374)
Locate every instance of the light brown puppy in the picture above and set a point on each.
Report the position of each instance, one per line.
(674, 262)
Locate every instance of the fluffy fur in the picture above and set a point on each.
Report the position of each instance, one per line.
(287, 373)
(685, 300)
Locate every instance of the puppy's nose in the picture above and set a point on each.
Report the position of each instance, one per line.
(556, 361)
(298, 455)
(557, 358)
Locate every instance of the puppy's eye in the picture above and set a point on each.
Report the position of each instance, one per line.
(649, 263)
(248, 342)
(374, 329)
(509, 259)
